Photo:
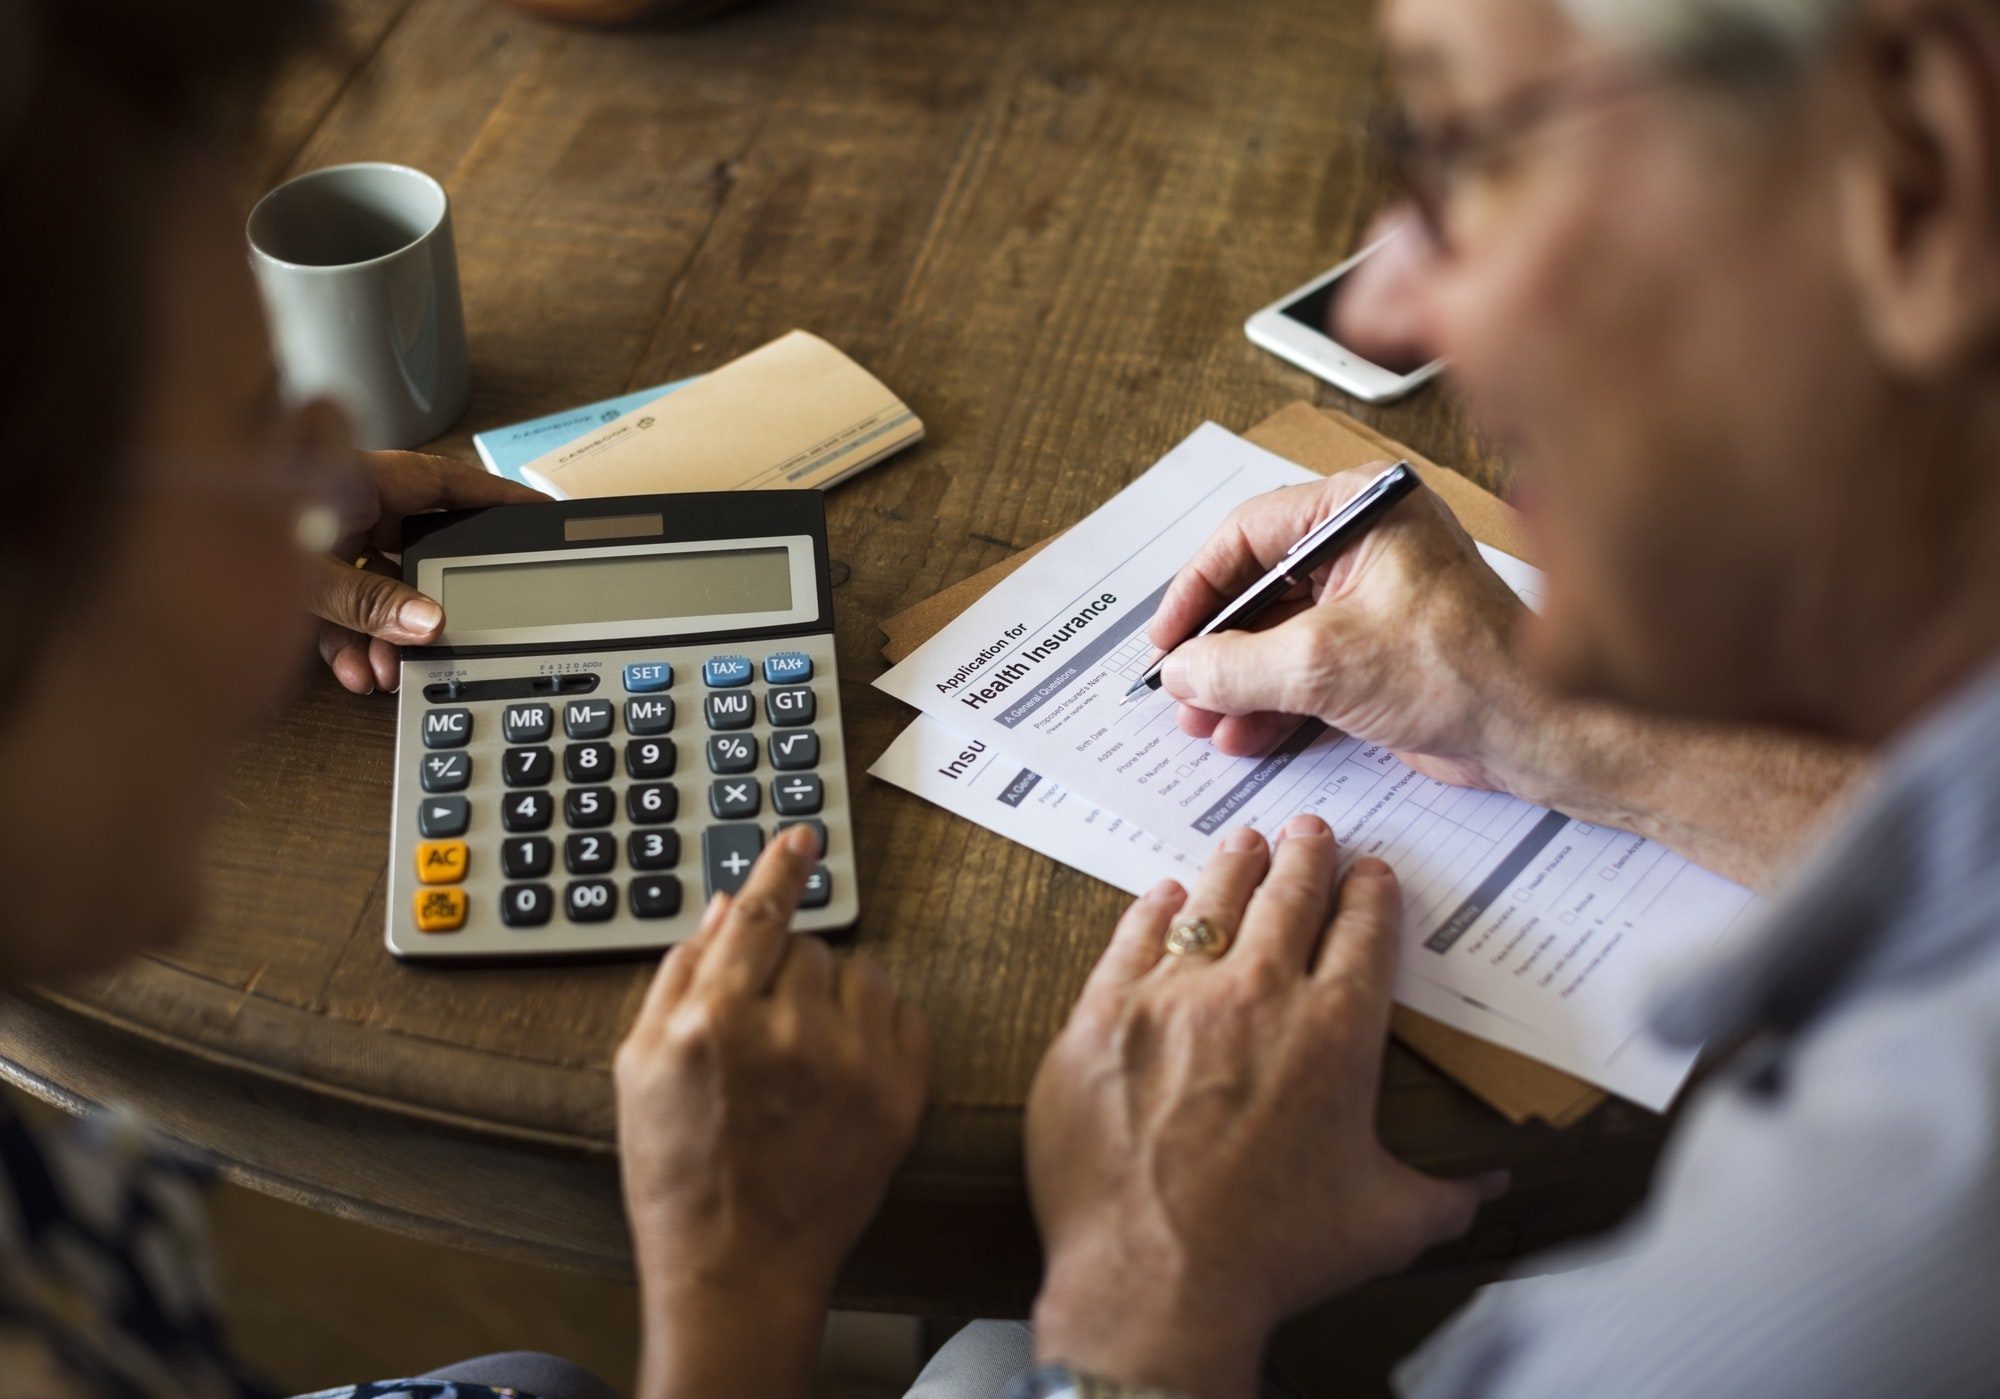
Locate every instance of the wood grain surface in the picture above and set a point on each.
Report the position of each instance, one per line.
(1042, 222)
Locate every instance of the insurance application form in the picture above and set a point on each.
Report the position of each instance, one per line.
(970, 779)
(1558, 925)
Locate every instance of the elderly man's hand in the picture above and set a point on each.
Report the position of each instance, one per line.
(1403, 640)
(1201, 1138)
(368, 610)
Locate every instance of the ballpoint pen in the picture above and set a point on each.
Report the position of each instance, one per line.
(1321, 545)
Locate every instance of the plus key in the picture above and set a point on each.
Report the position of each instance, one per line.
(727, 853)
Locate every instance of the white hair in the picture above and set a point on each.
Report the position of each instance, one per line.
(1727, 31)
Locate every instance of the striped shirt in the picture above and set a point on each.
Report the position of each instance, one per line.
(1827, 1218)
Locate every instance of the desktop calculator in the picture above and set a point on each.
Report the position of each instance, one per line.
(630, 696)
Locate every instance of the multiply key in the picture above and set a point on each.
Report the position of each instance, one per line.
(734, 798)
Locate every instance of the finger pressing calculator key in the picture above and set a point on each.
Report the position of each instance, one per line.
(574, 776)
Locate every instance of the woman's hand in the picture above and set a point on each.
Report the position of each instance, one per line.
(369, 611)
(1404, 640)
(765, 1095)
(1201, 1137)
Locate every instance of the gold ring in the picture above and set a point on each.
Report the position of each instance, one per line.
(1196, 937)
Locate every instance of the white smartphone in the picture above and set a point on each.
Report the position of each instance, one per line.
(1297, 327)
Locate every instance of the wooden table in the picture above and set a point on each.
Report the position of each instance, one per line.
(1042, 222)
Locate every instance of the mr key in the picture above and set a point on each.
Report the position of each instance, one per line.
(630, 698)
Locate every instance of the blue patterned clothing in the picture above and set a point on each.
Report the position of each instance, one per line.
(106, 1288)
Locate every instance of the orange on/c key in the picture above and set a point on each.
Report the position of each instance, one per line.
(441, 861)
(440, 910)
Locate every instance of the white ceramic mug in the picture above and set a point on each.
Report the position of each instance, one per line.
(360, 283)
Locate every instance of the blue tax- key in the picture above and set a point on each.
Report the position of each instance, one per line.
(720, 671)
(644, 677)
(784, 667)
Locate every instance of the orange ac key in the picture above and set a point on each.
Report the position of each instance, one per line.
(441, 861)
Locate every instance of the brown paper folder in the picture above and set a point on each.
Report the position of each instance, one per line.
(1326, 441)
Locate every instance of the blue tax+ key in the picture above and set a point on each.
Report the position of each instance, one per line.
(784, 667)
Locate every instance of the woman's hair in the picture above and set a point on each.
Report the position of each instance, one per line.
(99, 100)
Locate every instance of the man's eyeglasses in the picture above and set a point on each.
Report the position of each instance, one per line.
(1427, 162)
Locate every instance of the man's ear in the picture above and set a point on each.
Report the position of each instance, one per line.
(1920, 187)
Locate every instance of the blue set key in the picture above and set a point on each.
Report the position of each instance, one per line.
(645, 677)
(787, 667)
(722, 671)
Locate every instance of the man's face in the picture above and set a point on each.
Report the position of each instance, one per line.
(1641, 300)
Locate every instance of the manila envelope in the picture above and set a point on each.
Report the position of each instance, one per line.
(796, 413)
(1326, 441)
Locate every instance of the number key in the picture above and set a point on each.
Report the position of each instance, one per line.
(587, 762)
(527, 811)
(590, 900)
(732, 753)
(652, 803)
(527, 857)
(527, 767)
(649, 757)
(654, 850)
(589, 852)
(526, 905)
(589, 806)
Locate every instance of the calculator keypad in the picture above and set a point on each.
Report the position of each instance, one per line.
(590, 824)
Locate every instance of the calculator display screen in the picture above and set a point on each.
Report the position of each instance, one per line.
(617, 588)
